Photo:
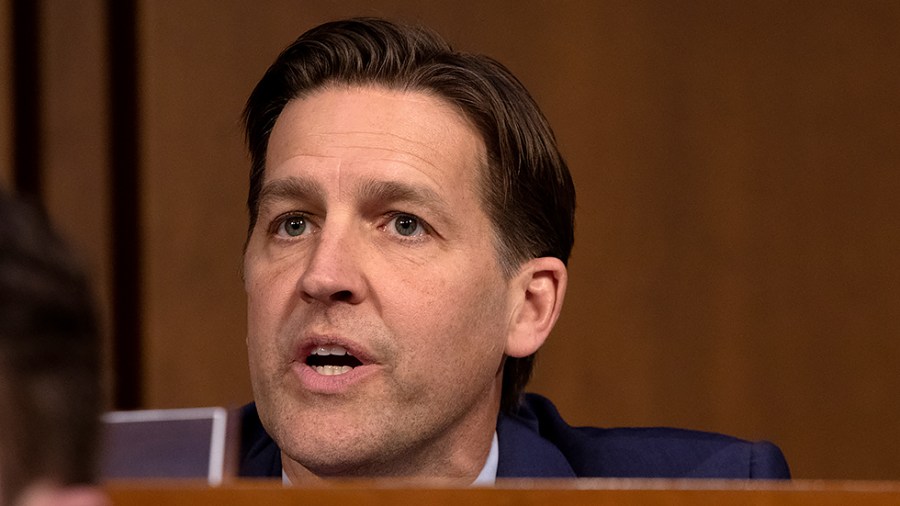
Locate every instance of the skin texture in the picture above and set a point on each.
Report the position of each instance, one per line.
(371, 235)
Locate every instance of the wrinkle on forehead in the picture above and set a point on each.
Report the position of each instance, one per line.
(335, 169)
(412, 153)
(372, 128)
(355, 109)
(374, 144)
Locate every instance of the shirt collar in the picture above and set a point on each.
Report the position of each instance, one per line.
(488, 474)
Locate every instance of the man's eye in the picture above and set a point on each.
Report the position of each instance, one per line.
(407, 225)
(293, 226)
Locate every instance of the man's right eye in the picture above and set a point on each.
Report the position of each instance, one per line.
(292, 226)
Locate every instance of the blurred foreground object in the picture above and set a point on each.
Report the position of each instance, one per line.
(187, 443)
(49, 366)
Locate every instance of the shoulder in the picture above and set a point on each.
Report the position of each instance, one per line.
(655, 452)
(259, 455)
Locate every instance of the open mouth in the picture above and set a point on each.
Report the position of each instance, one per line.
(331, 360)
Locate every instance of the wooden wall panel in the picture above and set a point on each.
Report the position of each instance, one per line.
(735, 253)
(193, 83)
(75, 137)
(735, 262)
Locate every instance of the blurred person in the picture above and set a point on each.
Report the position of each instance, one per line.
(50, 389)
(411, 218)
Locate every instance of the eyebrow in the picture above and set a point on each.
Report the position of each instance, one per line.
(291, 188)
(395, 191)
(370, 190)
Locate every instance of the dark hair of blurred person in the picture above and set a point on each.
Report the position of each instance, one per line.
(50, 392)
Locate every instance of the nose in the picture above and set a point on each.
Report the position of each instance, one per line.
(333, 273)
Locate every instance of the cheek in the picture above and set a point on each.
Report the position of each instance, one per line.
(262, 336)
(457, 321)
(268, 296)
(258, 313)
(269, 288)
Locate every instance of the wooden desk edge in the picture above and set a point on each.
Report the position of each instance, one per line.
(520, 492)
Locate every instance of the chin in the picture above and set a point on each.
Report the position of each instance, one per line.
(333, 464)
(349, 455)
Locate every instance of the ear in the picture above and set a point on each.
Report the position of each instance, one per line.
(540, 287)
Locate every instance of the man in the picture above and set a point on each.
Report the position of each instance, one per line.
(49, 367)
(410, 222)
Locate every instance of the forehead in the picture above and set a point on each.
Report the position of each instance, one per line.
(377, 130)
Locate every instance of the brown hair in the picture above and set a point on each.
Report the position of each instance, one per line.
(526, 188)
(49, 357)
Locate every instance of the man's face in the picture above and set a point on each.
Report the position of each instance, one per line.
(377, 311)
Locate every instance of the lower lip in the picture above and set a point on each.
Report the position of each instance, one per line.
(314, 382)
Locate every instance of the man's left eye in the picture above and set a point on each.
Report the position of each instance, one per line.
(407, 225)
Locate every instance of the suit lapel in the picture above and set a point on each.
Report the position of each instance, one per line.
(524, 453)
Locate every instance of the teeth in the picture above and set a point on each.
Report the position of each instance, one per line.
(331, 350)
(332, 370)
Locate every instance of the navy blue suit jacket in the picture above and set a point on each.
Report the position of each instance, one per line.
(537, 443)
